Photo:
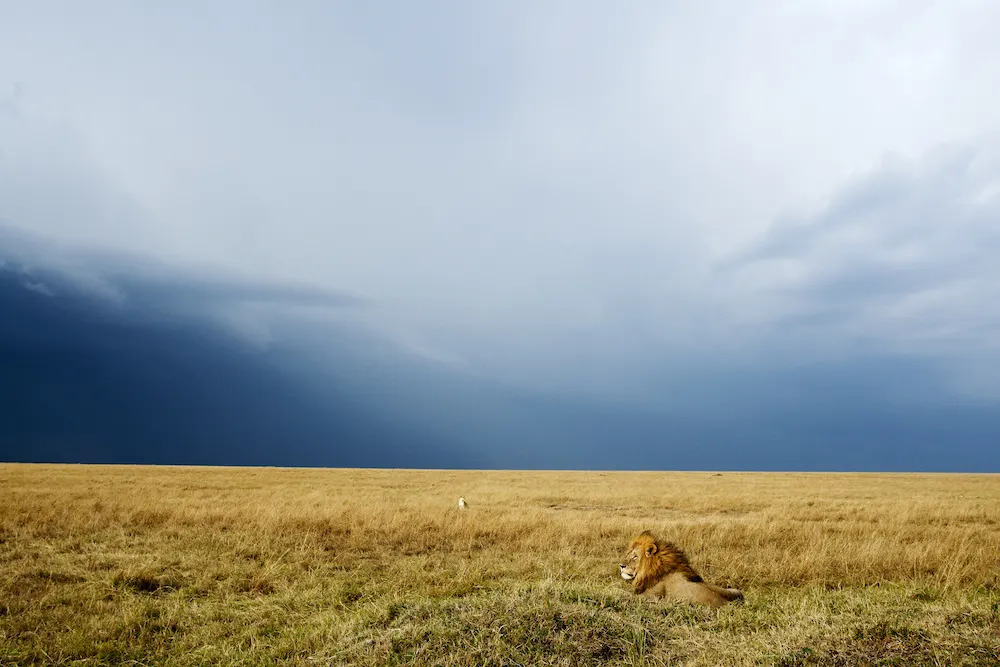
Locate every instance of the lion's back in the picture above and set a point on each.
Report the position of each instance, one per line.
(677, 586)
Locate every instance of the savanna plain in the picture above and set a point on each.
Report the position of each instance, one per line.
(186, 565)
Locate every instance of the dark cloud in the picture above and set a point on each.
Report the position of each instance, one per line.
(92, 383)
(531, 203)
(147, 283)
(78, 341)
(83, 382)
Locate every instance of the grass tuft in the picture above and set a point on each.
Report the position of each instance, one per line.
(146, 582)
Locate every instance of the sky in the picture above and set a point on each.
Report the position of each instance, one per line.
(709, 235)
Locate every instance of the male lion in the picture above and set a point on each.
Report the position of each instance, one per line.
(661, 570)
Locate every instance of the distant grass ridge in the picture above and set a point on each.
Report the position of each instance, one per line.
(164, 565)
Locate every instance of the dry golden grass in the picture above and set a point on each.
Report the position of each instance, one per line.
(170, 565)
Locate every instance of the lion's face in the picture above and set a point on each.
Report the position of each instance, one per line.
(642, 547)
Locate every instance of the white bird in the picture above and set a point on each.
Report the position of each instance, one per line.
(461, 503)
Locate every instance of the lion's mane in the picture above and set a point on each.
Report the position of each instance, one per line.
(669, 558)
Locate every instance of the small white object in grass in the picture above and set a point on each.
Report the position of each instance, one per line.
(461, 503)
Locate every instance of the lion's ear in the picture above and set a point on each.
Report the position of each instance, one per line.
(651, 549)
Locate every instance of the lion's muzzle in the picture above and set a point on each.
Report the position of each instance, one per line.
(626, 575)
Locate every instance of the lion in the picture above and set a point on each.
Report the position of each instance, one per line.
(661, 570)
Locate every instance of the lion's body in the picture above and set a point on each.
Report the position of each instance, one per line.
(661, 570)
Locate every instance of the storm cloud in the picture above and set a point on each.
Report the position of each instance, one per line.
(706, 236)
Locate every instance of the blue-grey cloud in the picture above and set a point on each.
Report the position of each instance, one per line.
(142, 287)
(543, 226)
(86, 382)
(128, 388)
(904, 257)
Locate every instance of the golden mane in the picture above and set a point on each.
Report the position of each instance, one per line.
(666, 559)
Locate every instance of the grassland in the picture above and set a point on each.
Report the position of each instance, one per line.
(163, 565)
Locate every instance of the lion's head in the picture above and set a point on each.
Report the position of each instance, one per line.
(640, 549)
(648, 561)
